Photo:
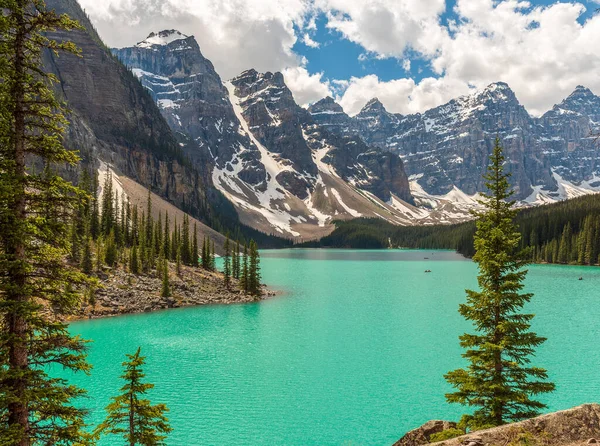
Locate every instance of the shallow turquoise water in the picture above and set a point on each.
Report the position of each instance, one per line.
(353, 353)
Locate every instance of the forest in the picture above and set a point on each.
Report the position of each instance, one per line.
(566, 232)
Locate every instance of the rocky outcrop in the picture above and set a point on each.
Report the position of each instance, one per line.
(422, 435)
(124, 293)
(577, 426)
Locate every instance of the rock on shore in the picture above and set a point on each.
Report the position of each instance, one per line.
(121, 292)
(577, 426)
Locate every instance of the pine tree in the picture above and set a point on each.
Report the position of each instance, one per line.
(254, 286)
(107, 219)
(186, 256)
(134, 262)
(130, 414)
(227, 264)
(110, 250)
(205, 255)
(166, 288)
(498, 381)
(195, 253)
(244, 282)
(95, 214)
(87, 264)
(167, 238)
(213, 263)
(34, 277)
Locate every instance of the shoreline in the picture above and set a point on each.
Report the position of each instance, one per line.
(122, 293)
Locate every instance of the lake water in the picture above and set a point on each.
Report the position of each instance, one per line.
(353, 352)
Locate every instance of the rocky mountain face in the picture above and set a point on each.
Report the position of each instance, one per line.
(285, 172)
(116, 123)
(445, 150)
(568, 137)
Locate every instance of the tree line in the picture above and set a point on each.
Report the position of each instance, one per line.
(567, 232)
(108, 231)
(55, 236)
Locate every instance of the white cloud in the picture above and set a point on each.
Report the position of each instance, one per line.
(308, 41)
(542, 52)
(399, 95)
(305, 87)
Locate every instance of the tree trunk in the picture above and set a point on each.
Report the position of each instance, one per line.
(18, 363)
(131, 423)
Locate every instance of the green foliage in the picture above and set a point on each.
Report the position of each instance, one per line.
(446, 435)
(566, 232)
(499, 380)
(227, 263)
(35, 210)
(253, 275)
(130, 414)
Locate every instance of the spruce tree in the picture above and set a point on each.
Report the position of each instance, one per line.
(87, 264)
(499, 380)
(134, 262)
(244, 282)
(254, 286)
(130, 414)
(227, 264)
(34, 277)
(195, 253)
(167, 238)
(213, 263)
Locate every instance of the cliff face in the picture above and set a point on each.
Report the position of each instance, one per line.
(114, 119)
(284, 172)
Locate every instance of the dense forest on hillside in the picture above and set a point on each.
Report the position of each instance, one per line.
(564, 232)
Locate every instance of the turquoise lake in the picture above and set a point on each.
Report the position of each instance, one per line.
(353, 351)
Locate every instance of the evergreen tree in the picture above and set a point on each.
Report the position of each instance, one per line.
(213, 263)
(130, 414)
(205, 255)
(134, 262)
(110, 250)
(195, 253)
(35, 210)
(95, 214)
(186, 256)
(87, 264)
(254, 286)
(167, 238)
(499, 380)
(227, 264)
(244, 282)
(107, 219)
(174, 241)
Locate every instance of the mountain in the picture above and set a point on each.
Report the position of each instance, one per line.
(285, 173)
(116, 125)
(568, 137)
(445, 150)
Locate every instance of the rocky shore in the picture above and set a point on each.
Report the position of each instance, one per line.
(121, 292)
(573, 427)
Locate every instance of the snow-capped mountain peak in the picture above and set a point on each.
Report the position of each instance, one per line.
(162, 38)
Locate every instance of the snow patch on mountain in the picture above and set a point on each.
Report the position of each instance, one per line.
(161, 38)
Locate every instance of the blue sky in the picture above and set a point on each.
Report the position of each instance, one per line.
(412, 54)
(339, 58)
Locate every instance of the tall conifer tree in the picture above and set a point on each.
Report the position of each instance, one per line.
(34, 407)
(499, 380)
(130, 414)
